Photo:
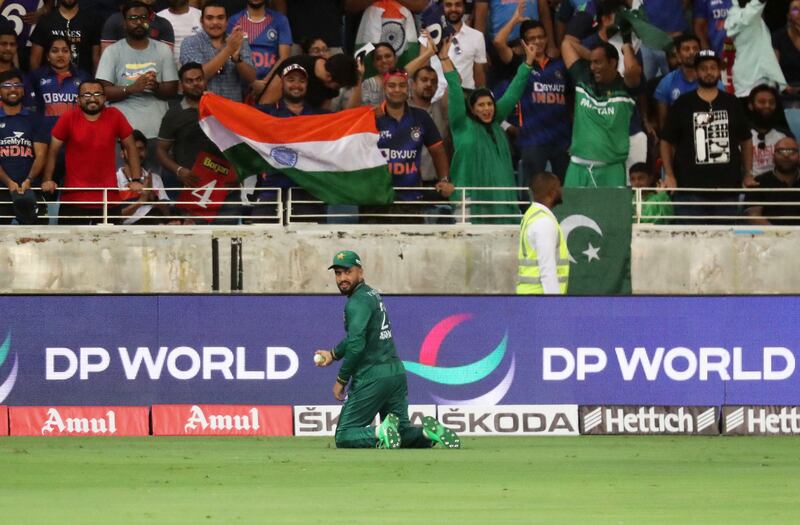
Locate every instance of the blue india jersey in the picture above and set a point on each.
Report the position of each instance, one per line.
(18, 133)
(543, 111)
(264, 37)
(401, 142)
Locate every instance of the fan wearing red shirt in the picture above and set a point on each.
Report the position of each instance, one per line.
(90, 133)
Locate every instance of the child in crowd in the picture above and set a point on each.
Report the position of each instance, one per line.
(150, 206)
(656, 204)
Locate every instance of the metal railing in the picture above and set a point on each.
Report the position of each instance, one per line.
(268, 205)
(200, 207)
(249, 205)
(729, 206)
(430, 208)
(462, 206)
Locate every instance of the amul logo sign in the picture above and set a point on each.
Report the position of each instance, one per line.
(8, 383)
(465, 374)
(56, 424)
(198, 420)
(79, 421)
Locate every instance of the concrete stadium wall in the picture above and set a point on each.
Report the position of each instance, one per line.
(715, 260)
(104, 260)
(411, 260)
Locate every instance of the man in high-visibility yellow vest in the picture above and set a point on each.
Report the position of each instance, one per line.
(542, 253)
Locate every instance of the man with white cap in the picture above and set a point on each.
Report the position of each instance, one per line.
(294, 85)
(293, 103)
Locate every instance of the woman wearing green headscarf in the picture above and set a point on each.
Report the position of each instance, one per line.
(482, 155)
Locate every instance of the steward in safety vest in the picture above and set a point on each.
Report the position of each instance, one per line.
(542, 255)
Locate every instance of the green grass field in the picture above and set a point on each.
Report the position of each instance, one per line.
(630, 480)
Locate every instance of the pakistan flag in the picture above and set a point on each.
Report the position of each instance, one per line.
(597, 225)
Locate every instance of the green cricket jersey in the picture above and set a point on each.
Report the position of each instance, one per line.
(368, 350)
(652, 210)
(602, 117)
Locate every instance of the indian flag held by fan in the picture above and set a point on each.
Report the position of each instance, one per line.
(334, 156)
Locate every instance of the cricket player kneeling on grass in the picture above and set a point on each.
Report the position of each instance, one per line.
(375, 374)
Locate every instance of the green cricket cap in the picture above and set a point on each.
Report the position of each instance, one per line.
(345, 259)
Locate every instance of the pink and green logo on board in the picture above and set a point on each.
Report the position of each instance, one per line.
(466, 374)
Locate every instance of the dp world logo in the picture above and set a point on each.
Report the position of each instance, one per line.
(7, 383)
(464, 374)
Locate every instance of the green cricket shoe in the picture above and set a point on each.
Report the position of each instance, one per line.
(439, 433)
(388, 435)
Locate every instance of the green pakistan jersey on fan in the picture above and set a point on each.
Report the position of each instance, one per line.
(602, 117)
(655, 206)
(368, 349)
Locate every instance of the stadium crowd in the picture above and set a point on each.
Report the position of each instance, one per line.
(662, 94)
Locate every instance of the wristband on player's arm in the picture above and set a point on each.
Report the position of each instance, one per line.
(341, 381)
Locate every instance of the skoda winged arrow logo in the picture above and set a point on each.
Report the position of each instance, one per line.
(461, 375)
(8, 383)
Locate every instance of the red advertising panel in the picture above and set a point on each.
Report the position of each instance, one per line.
(3, 421)
(222, 420)
(79, 421)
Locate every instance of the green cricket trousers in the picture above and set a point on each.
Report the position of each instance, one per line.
(377, 396)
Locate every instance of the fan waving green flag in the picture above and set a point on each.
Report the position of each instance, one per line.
(650, 35)
(597, 224)
(334, 156)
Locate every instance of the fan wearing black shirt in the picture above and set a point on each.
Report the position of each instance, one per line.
(706, 143)
(81, 30)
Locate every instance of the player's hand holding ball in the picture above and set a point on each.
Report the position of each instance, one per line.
(323, 358)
